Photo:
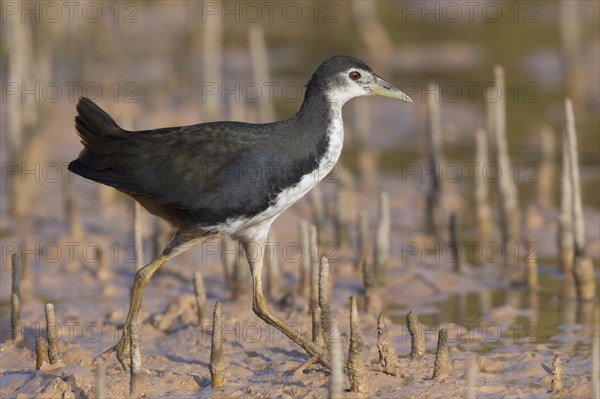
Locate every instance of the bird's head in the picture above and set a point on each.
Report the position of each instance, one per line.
(342, 78)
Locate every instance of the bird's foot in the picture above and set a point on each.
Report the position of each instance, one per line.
(319, 353)
(300, 370)
(121, 349)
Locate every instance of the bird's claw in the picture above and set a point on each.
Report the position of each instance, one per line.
(122, 351)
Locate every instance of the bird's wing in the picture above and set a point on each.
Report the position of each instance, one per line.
(208, 171)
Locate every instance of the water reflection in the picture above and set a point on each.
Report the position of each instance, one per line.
(496, 319)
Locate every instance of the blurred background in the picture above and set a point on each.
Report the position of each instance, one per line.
(170, 63)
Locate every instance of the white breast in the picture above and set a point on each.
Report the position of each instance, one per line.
(292, 194)
(252, 228)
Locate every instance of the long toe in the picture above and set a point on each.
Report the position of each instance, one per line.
(122, 351)
(102, 356)
(123, 354)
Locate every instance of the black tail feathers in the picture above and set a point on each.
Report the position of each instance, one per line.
(93, 124)
(105, 145)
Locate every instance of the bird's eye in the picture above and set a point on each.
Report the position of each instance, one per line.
(354, 75)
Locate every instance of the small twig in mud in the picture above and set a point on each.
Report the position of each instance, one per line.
(565, 221)
(583, 268)
(305, 260)
(41, 352)
(217, 370)
(200, 293)
(272, 265)
(15, 298)
(136, 361)
(416, 335)
(382, 239)
(100, 389)
(315, 269)
(576, 207)
(459, 262)
(336, 378)
(326, 321)
(387, 354)
(471, 376)
(507, 190)
(317, 329)
(440, 365)
(556, 383)
(341, 218)
(356, 363)
(52, 334)
(363, 239)
(373, 300)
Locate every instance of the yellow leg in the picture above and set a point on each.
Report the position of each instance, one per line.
(259, 306)
(142, 278)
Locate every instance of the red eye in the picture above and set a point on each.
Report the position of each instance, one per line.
(354, 75)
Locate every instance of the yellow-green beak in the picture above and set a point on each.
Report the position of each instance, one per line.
(384, 88)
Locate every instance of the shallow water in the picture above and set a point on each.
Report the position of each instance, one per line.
(552, 321)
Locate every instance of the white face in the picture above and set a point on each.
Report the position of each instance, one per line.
(349, 84)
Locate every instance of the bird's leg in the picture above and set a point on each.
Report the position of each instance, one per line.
(142, 278)
(255, 253)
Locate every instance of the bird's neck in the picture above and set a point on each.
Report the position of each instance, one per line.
(322, 125)
(317, 110)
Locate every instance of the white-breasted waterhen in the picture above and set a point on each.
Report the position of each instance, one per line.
(226, 178)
